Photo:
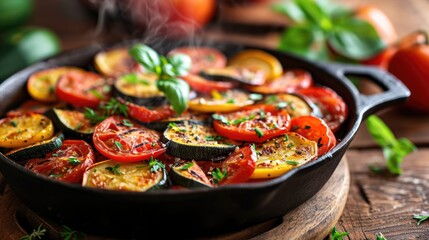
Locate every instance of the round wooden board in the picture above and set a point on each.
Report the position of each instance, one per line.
(312, 220)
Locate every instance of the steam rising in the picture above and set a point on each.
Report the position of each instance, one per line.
(157, 19)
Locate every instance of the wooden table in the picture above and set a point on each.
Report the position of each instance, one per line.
(376, 203)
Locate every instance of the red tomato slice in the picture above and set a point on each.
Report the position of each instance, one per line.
(333, 107)
(203, 85)
(125, 141)
(82, 89)
(239, 166)
(289, 82)
(146, 115)
(254, 125)
(317, 130)
(66, 164)
(202, 58)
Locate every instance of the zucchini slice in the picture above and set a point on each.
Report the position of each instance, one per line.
(140, 89)
(72, 123)
(192, 141)
(189, 175)
(137, 177)
(281, 154)
(37, 150)
(192, 117)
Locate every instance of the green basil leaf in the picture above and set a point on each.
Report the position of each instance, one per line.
(355, 39)
(176, 91)
(147, 57)
(291, 10)
(181, 64)
(305, 41)
(315, 14)
(167, 68)
(379, 131)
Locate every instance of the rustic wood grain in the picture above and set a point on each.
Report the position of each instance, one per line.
(386, 203)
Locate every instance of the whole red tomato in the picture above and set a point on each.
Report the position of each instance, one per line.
(171, 17)
(410, 65)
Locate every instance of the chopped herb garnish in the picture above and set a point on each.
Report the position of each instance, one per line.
(106, 88)
(118, 145)
(114, 170)
(36, 234)
(271, 99)
(213, 138)
(292, 162)
(255, 96)
(114, 107)
(69, 234)
(78, 126)
(93, 117)
(259, 132)
(335, 235)
(74, 160)
(375, 169)
(54, 155)
(420, 217)
(218, 175)
(290, 145)
(221, 118)
(13, 123)
(153, 144)
(379, 236)
(187, 166)
(282, 105)
(53, 175)
(127, 123)
(155, 165)
(286, 137)
(243, 119)
(230, 101)
(132, 78)
(97, 94)
(176, 128)
(262, 114)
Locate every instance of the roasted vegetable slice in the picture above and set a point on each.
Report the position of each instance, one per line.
(192, 141)
(191, 117)
(282, 154)
(258, 60)
(36, 150)
(189, 175)
(24, 130)
(72, 123)
(66, 164)
(115, 62)
(140, 89)
(220, 102)
(139, 177)
(289, 82)
(296, 105)
(41, 85)
(236, 74)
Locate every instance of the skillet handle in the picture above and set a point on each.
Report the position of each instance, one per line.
(394, 91)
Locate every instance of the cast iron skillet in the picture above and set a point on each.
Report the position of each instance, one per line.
(187, 213)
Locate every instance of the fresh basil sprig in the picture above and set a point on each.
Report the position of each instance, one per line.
(167, 70)
(319, 24)
(394, 150)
